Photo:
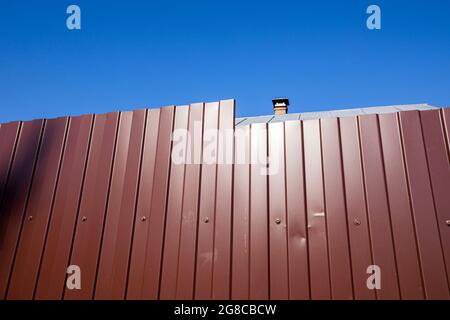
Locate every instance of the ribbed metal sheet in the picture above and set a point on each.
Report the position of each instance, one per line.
(101, 192)
(332, 114)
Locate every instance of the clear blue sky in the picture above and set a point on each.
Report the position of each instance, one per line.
(136, 54)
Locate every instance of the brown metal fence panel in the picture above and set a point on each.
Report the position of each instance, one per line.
(221, 272)
(377, 206)
(438, 166)
(141, 225)
(279, 282)
(240, 275)
(409, 272)
(55, 259)
(206, 212)
(38, 211)
(15, 197)
(319, 271)
(258, 215)
(358, 225)
(188, 236)
(429, 244)
(174, 209)
(8, 134)
(117, 235)
(446, 117)
(296, 213)
(177, 203)
(337, 227)
(150, 256)
(89, 227)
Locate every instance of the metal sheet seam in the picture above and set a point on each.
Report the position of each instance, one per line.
(305, 207)
(342, 177)
(198, 200)
(269, 289)
(182, 205)
(288, 216)
(423, 205)
(433, 197)
(364, 190)
(215, 203)
(325, 207)
(444, 133)
(91, 133)
(141, 161)
(249, 230)
(402, 145)
(388, 203)
(233, 168)
(63, 149)
(165, 207)
(446, 127)
(116, 135)
(44, 122)
(10, 162)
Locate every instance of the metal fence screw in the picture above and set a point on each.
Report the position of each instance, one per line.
(206, 219)
(30, 218)
(277, 220)
(84, 218)
(356, 222)
(143, 218)
(448, 222)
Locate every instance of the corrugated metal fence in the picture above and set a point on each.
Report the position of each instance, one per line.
(101, 192)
